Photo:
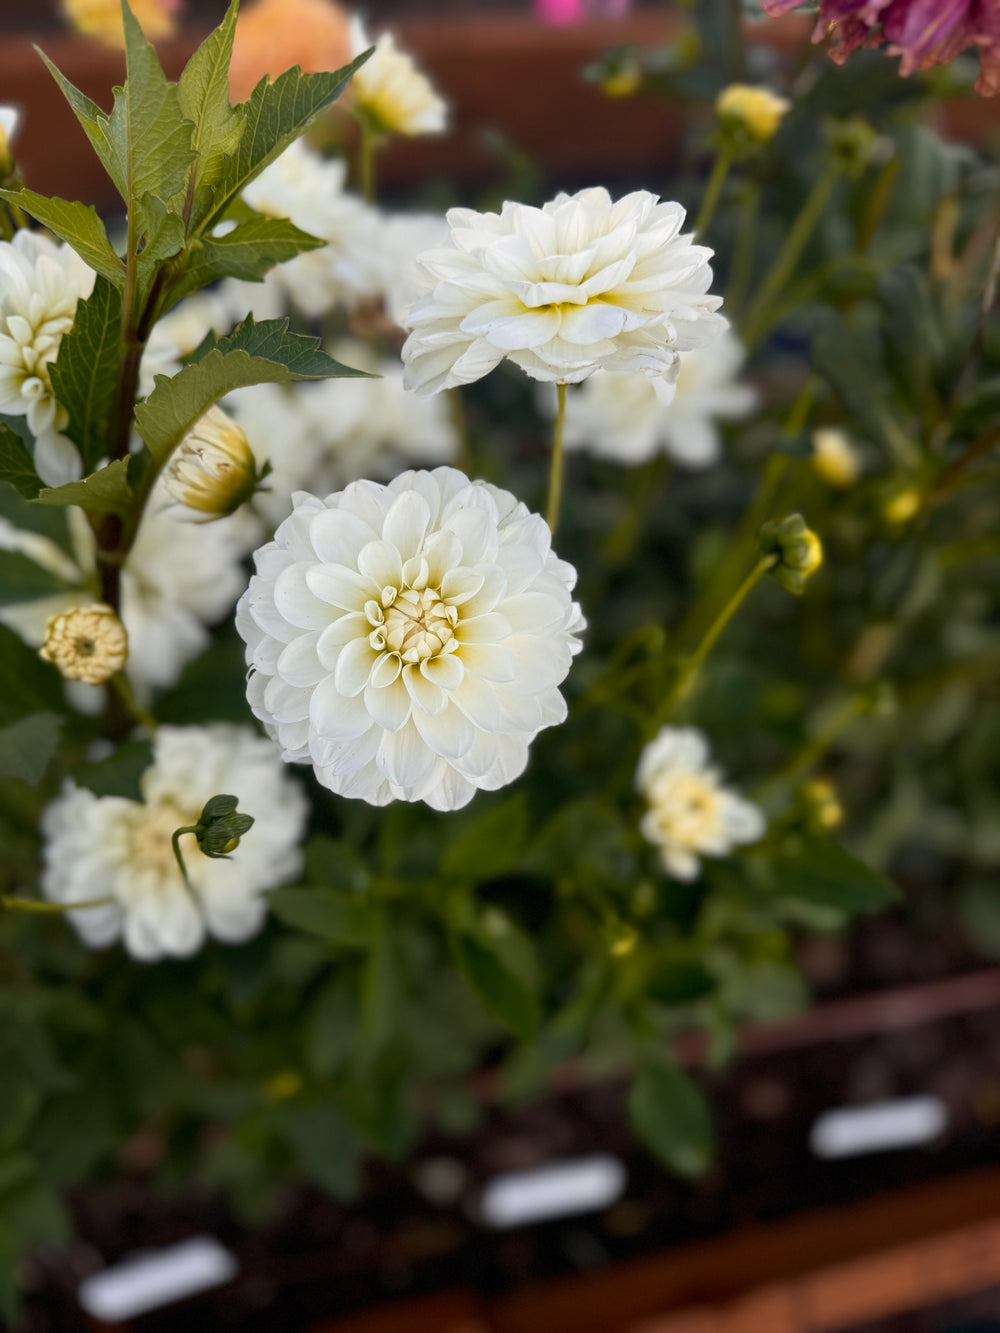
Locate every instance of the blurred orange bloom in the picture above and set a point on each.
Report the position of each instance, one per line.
(273, 35)
(103, 19)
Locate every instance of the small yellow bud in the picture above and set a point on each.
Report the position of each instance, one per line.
(212, 470)
(282, 1087)
(835, 458)
(103, 19)
(623, 940)
(823, 803)
(88, 643)
(902, 506)
(799, 551)
(8, 127)
(854, 142)
(757, 112)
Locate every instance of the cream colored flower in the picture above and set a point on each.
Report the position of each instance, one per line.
(40, 285)
(390, 93)
(621, 418)
(103, 19)
(88, 643)
(321, 435)
(109, 846)
(835, 458)
(690, 813)
(409, 640)
(212, 471)
(758, 111)
(9, 119)
(580, 285)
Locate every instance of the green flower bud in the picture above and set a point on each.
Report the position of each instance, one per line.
(749, 117)
(798, 550)
(854, 142)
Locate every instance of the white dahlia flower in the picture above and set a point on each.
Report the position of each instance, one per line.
(309, 189)
(178, 578)
(620, 417)
(409, 640)
(40, 284)
(389, 92)
(9, 120)
(319, 436)
(402, 238)
(690, 813)
(107, 846)
(582, 284)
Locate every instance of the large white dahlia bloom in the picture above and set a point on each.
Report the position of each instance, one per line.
(40, 285)
(582, 284)
(690, 813)
(108, 846)
(620, 417)
(409, 640)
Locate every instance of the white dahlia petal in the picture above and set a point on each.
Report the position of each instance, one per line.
(424, 637)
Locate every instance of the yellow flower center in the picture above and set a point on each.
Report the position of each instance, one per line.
(153, 827)
(414, 623)
(686, 807)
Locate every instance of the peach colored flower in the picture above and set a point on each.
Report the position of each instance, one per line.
(274, 35)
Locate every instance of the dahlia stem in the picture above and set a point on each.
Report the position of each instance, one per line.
(556, 468)
(744, 249)
(11, 904)
(713, 191)
(366, 162)
(175, 842)
(123, 688)
(813, 750)
(692, 665)
(759, 317)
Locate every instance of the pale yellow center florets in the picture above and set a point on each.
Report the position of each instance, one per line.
(153, 827)
(88, 643)
(413, 623)
(687, 809)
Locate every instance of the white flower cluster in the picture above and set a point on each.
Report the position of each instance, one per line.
(321, 435)
(621, 417)
(40, 285)
(108, 846)
(690, 813)
(582, 284)
(409, 640)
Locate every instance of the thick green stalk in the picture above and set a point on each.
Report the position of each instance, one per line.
(713, 192)
(556, 467)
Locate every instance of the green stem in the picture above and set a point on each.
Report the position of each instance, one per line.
(758, 320)
(744, 249)
(10, 904)
(175, 842)
(366, 162)
(713, 192)
(123, 688)
(691, 666)
(811, 753)
(456, 410)
(556, 467)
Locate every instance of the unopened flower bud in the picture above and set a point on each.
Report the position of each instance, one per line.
(88, 643)
(212, 471)
(749, 115)
(799, 551)
(823, 808)
(618, 73)
(835, 458)
(854, 142)
(9, 117)
(220, 826)
(902, 504)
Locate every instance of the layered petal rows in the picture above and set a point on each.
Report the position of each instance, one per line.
(409, 640)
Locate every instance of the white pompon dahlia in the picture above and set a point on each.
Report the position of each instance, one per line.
(390, 92)
(409, 640)
(107, 846)
(584, 283)
(40, 285)
(620, 417)
(690, 813)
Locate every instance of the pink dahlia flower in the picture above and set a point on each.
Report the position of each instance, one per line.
(923, 32)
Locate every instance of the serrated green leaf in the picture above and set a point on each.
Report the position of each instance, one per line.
(76, 224)
(93, 120)
(671, 1116)
(276, 113)
(249, 252)
(203, 92)
(27, 746)
(148, 136)
(264, 353)
(106, 491)
(161, 229)
(825, 873)
(491, 845)
(503, 993)
(24, 580)
(341, 918)
(84, 372)
(17, 467)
